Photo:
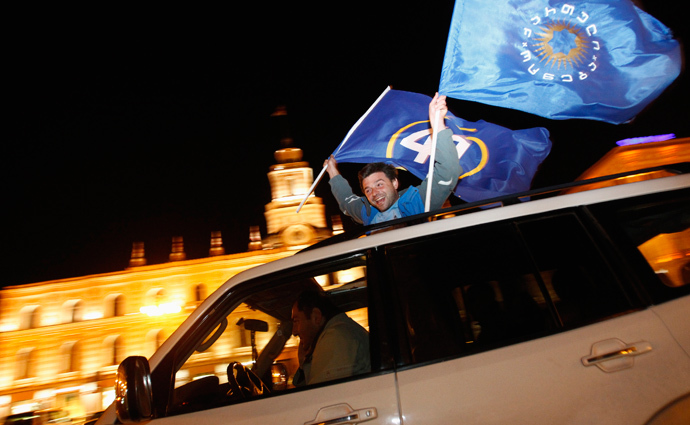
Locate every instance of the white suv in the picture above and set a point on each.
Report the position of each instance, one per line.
(563, 309)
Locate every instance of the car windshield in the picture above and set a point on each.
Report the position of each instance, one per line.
(258, 333)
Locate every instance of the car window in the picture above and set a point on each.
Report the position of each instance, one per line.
(654, 233)
(251, 351)
(493, 285)
(466, 291)
(578, 279)
(667, 251)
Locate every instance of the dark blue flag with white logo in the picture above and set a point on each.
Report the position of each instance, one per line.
(496, 161)
(602, 60)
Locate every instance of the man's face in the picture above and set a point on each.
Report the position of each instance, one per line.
(381, 191)
(306, 329)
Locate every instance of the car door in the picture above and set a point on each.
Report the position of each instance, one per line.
(545, 381)
(369, 399)
(527, 321)
(252, 326)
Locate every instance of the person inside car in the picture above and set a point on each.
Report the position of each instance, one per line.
(332, 345)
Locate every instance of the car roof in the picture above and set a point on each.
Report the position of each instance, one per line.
(587, 182)
(473, 214)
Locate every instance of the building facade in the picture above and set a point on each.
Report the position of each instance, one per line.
(61, 341)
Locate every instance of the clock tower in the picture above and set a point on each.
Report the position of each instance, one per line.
(290, 179)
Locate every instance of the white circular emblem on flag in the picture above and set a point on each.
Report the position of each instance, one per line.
(559, 45)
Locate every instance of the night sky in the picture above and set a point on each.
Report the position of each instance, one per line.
(139, 125)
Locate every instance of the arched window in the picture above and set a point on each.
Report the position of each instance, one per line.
(70, 357)
(25, 364)
(154, 339)
(29, 317)
(114, 305)
(199, 293)
(72, 311)
(114, 350)
(155, 296)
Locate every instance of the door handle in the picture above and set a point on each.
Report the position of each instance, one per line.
(342, 414)
(613, 354)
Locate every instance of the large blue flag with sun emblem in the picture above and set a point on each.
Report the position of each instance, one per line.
(495, 161)
(595, 59)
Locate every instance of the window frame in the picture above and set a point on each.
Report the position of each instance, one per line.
(595, 234)
(163, 376)
(629, 260)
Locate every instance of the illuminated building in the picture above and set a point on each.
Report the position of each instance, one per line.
(62, 340)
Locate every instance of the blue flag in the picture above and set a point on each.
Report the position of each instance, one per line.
(495, 160)
(596, 59)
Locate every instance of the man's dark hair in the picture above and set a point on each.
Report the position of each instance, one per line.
(375, 167)
(310, 299)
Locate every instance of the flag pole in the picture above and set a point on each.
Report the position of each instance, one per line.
(311, 189)
(432, 160)
(347, 136)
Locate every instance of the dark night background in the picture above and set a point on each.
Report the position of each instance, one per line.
(139, 125)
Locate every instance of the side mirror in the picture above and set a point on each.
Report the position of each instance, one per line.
(133, 394)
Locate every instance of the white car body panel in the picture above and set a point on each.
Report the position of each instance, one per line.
(674, 314)
(515, 384)
(302, 407)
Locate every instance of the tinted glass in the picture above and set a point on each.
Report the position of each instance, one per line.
(257, 334)
(578, 279)
(653, 234)
(466, 291)
(495, 285)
